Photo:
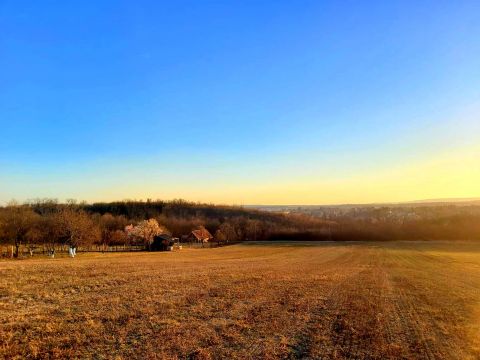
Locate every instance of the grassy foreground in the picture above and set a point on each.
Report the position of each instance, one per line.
(368, 300)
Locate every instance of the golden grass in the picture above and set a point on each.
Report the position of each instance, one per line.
(368, 300)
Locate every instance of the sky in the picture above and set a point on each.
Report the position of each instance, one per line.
(240, 102)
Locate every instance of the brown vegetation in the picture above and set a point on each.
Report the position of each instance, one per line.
(323, 300)
(46, 223)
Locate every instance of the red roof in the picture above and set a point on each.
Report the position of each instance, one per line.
(202, 234)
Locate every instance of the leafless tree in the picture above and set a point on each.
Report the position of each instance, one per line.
(109, 226)
(228, 232)
(17, 220)
(77, 227)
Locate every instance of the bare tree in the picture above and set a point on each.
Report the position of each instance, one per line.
(118, 237)
(252, 229)
(17, 220)
(34, 235)
(52, 231)
(228, 231)
(220, 237)
(77, 227)
(109, 226)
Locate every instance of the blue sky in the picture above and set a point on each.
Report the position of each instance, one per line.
(238, 102)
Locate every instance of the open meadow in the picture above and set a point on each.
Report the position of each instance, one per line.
(309, 300)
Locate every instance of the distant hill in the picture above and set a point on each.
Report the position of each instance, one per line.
(415, 203)
(446, 201)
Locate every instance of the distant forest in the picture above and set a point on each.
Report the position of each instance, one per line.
(48, 222)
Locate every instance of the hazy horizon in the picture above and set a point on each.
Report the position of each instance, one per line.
(240, 103)
(259, 206)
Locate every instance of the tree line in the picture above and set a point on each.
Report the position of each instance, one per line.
(48, 223)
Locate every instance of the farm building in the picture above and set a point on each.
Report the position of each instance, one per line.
(201, 235)
(163, 242)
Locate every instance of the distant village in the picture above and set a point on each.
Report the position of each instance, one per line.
(383, 213)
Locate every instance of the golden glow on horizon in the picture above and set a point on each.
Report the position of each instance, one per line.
(452, 175)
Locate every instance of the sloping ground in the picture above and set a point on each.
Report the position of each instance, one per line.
(357, 301)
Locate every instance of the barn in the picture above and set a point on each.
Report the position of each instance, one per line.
(200, 235)
(162, 242)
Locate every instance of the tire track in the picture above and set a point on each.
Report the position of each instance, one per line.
(333, 331)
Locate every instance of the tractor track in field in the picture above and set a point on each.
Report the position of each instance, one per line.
(414, 297)
(404, 322)
(322, 315)
(368, 315)
(410, 328)
(330, 332)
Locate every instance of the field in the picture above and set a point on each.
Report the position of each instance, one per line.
(350, 300)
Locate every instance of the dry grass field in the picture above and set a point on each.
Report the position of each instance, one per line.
(358, 301)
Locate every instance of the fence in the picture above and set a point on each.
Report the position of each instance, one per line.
(24, 251)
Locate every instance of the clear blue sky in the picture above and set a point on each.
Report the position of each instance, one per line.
(238, 101)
